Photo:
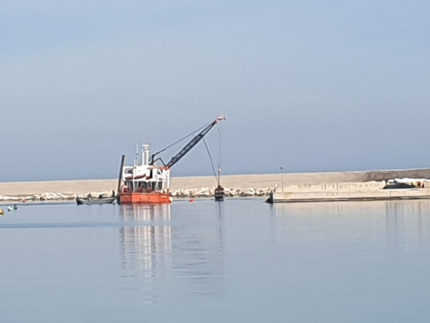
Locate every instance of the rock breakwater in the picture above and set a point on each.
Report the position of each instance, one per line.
(229, 192)
(179, 194)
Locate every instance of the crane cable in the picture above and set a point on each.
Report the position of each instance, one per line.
(210, 157)
(179, 140)
(219, 153)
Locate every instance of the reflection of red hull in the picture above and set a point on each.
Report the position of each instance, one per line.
(137, 197)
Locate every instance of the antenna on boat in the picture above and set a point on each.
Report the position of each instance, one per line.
(145, 154)
(136, 156)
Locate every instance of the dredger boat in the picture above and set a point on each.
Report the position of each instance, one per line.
(147, 181)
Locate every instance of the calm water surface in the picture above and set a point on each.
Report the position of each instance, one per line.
(237, 261)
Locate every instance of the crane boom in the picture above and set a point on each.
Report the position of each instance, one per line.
(193, 142)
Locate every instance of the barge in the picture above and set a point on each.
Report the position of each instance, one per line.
(148, 180)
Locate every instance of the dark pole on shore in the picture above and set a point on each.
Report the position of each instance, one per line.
(120, 176)
(282, 177)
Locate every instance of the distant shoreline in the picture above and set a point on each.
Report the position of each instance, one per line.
(246, 185)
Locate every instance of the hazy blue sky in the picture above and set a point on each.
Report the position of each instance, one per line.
(307, 85)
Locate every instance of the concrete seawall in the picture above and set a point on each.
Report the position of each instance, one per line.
(365, 191)
(201, 186)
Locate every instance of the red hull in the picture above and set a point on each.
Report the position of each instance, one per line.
(150, 198)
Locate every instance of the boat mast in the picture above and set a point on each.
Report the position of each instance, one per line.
(120, 174)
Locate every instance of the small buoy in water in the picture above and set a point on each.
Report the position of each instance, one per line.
(1, 212)
(9, 208)
(15, 207)
(191, 200)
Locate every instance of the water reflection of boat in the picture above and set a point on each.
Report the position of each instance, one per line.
(145, 237)
(153, 251)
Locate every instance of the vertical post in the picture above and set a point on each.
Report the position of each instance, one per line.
(120, 174)
(168, 180)
(282, 178)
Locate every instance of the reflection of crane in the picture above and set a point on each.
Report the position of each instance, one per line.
(188, 146)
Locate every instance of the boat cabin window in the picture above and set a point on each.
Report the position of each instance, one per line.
(143, 185)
